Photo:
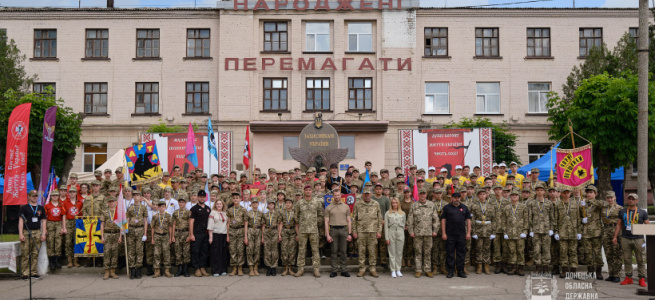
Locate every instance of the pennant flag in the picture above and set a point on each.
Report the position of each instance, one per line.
(15, 167)
(143, 163)
(366, 179)
(246, 149)
(190, 151)
(415, 191)
(211, 141)
(120, 219)
(49, 121)
(574, 166)
(88, 240)
(52, 185)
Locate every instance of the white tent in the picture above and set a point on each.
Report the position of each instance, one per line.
(117, 160)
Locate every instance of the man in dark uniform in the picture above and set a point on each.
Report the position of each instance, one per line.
(455, 230)
(198, 235)
(35, 219)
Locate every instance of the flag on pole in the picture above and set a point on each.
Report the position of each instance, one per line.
(120, 219)
(574, 167)
(415, 191)
(49, 121)
(190, 151)
(246, 149)
(51, 186)
(15, 192)
(211, 142)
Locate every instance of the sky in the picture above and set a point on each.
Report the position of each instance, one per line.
(425, 3)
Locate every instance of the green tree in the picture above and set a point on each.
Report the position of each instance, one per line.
(162, 127)
(12, 72)
(68, 131)
(503, 141)
(603, 110)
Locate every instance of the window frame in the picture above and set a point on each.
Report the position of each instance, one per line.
(539, 93)
(486, 111)
(580, 38)
(193, 93)
(92, 93)
(307, 34)
(541, 38)
(538, 155)
(42, 86)
(434, 112)
(152, 41)
(497, 38)
(197, 37)
(285, 87)
(432, 47)
(636, 36)
(370, 23)
(144, 93)
(93, 49)
(351, 87)
(320, 91)
(39, 42)
(279, 32)
(93, 155)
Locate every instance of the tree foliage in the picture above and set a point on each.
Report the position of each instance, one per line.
(68, 131)
(504, 141)
(12, 72)
(162, 127)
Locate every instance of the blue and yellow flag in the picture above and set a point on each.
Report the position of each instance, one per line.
(88, 238)
(143, 163)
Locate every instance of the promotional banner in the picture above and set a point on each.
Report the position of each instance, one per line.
(143, 163)
(446, 148)
(88, 240)
(177, 152)
(46, 148)
(348, 199)
(574, 166)
(15, 192)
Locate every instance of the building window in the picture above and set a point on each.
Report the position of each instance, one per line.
(488, 97)
(197, 97)
(360, 93)
(97, 43)
(634, 34)
(589, 38)
(486, 42)
(536, 151)
(147, 43)
(45, 43)
(42, 88)
(147, 98)
(275, 94)
(436, 98)
(348, 141)
(276, 38)
(360, 37)
(289, 142)
(318, 36)
(94, 156)
(318, 93)
(538, 42)
(197, 43)
(538, 97)
(95, 98)
(436, 42)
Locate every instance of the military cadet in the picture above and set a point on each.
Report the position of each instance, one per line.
(162, 230)
(238, 219)
(438, 244)
(610, 216)
(270, 236)
(500, 257)
(97, 174)
(165, 180)
(33, 216)
(484, 229)
(152, 209)
(541, 228)
(254, 237)
(568, 231)
(111, 237)
(308, 212)
(56, 228)
(367, 229)
(628, 216)
(94, 204)
(137, 218)
(105, 182)
(111, 192)
(534, 181)
(514, 220)
(181, 239)
(423, 225)
(514, 167)
(287, 236)
(385, 181)
(118, 182)
(553, 196)
(73, 208)
(590, 209)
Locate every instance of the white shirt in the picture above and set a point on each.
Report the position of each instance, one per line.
(246, 205)
(171, 205)
(262, 208)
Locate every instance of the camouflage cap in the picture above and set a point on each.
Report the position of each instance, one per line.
(512, 182)
(288, 199)
(183, 180)
(511, 175)
(168, 189)
(384, 171)
(95, 182)
(367, 191)
(423, 191)
(374, 174)
(412, 167)
(506, 189)
(73, 175)
(269, 184)
(136, 192)
(540, 186)
(174, 180)
(113, 189)
(281, 192)
(161, 203)
(496, 186)
(54, 193)
(438, 190)
(591, 188)
(526, 190)
(231, 181)
(146, 190)
(281, 182)
(119, 170)
(312, 169)
(63, 187)
(441, 176)
(565, 188)
(456, 177)
(97, 173)
(534, 170)
(112, 198)
(478, 191)
(213, 193)
(72, 189)
(33, 193)
(552, 188)
(166, 174)
(107, 171)
(473, 175)
(188, 175)
(610, 194)
(421, 170)
(298, 193)
(322, 169)
(198, 170)
(271, 200)
(633, 196)
(262, 175)
(514, 192)
(204, 175)
(297, 177)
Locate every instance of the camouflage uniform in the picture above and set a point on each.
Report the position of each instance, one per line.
(613, 252)
(469, 202)
(366, 223)
(567, 226)
(93, 205)
(591, 232)
(112, 234)
(485, 224)
(423, 222)
(54, 238)
(238, 216)
(514, 222)
(541, 222)
(438, 244)
(255, 221)
(307, 214)
(499, 243)
(181, 194)
(554, 246)
(161, 227)
(135, 234)
(271, 254)
(289, 245)
(182, 247)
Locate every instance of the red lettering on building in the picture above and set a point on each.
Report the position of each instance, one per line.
(407, 62)
(328, 63)
(366, 63)
(385, 61)
(321, 4)
(302, 65)
(304, 7)
(238, 3)
(285, 64)
(365, 5)
(227, 63)
(261, 4)
(345, 5)
(344, 62)
(280, 3)
(382, 4)
(265, 62)
(250, 64)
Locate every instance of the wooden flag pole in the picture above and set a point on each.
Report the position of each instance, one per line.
(127, 261)
(571, 130)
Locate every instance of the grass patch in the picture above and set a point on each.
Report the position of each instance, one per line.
(8, 238)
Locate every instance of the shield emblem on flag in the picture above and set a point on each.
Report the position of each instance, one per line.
(88, 240)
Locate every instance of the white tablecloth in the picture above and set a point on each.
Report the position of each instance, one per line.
(9, 251)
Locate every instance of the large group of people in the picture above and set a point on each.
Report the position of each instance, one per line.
(429, 222)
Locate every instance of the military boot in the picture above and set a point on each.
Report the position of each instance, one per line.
(251, 273)
(70, 263)
(286, 271)
(234, 271)
(179, 272)
(466, 266)
(300, 272)
(361, 272)
(150, 271)
(203, 272)
(478, 270)
(555, 270)
(291, 271)
(537, 269)
(106, 275)
(373, 272)
(75, 263)
(256, 269)
(563, 273)
(186, 270)
(198, 274)
(167, 273)
(443, 270)
(520, 271)
(486, 269)
(318, 274)
(497, 268)
(132, 273)
(113, 274)
(599, 273)
(512, 270)
(156, 275)
(240, 271)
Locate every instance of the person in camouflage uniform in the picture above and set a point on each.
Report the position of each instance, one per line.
(469, 200)
(271, 240)
(438, 244)
(150, 248)
(94, 203)
(308, 212)
(287, 236)
(613, 253)
(567, 231)
(238, 219)
(367, 229)
(104, 188)
(500, 256)
(55, 228)
(181, 239)
(541, 228)
(553, 196)
(514, 220)
(590, 209)
(484, 229)
(116, 183)
(162, 230)
(111, 236)
(137, 218)
(255, 236)
(423, 224)
(385, 205)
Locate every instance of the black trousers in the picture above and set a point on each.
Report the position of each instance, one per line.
(219, 253)
(200, 250)
(455, 251)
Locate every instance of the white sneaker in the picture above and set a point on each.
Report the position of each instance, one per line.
(393, 274)
(399, 274)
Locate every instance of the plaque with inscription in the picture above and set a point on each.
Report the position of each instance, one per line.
(319, 145)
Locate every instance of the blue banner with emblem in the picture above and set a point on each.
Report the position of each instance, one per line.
(348, 199)
(88, 238)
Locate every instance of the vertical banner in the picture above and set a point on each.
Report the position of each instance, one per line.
(574, 167)
(177, 151)
(190, 149)
(88, 240)
(446, 149)
(246, 150)
(143, 163)
(49, 121)
(15, 192)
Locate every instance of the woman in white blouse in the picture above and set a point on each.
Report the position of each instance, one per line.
(394, 228)
(217, 226)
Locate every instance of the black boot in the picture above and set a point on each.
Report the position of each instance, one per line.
(149, 271)
(57, 263)
(138, 272)
(51, 263)
(132, 273)
(186, 270)
(180, 271)
(268, 271)
(274, 271)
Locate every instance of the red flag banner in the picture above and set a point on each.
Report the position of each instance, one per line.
(446, 148)
(15, 192)
(246, 150)
(574, 167)
(177, 151)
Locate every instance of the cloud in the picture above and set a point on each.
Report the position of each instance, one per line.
(623, 3)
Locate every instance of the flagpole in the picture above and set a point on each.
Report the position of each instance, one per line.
(127, 261)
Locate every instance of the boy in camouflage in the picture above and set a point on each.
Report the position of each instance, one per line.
(137, 218)
(438, 244)
(287, 237)
(515, 231)
(254, 240)
(162, 230)
(367, 226)
(613, 253)
(567, 231)
(270, 236)
(111, 237)
(541, 228)
(484, 228)
(590, 209)
(181, 239)
(238, 220)
(500, 256)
